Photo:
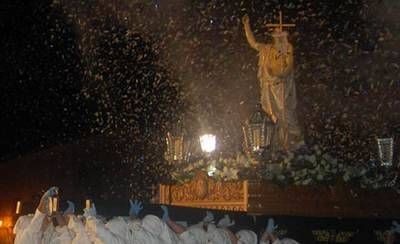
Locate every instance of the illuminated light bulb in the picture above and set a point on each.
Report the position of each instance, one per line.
(208, 143)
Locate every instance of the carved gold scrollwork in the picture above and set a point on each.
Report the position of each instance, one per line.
(200, 185)
(205, 192)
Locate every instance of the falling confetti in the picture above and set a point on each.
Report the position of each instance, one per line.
(126, 70)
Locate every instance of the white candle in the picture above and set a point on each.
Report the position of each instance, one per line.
(55, 204)
(87, 203)
(50, 205)
(18, 210)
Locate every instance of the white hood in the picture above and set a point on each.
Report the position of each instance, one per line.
(246, 237)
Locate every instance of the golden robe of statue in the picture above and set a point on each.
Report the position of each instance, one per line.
(278, 90)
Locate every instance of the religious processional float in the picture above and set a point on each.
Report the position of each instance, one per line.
(278, 173)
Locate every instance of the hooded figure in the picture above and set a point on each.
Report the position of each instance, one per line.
(77, 229)
(56, 234)
(218, 235)
(32, 234)
(194, 234)
(49, 233)
(246, 237)
(119, 227)
(159, 229)
(20, 226)
(269, 237)
(139, 234)
(99, 234)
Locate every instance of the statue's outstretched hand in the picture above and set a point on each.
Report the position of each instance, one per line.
(246, 19)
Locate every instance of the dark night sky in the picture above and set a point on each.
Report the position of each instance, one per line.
(201, 41)
(41, 79)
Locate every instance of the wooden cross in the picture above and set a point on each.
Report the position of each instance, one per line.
(281, 24)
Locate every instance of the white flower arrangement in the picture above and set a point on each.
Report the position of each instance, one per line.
(306, 168)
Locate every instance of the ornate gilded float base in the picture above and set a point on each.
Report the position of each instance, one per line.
(204, 192)
(266, 198)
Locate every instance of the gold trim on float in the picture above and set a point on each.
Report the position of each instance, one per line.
(205, 192)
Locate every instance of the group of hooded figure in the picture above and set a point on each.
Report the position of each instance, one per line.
(44, 227)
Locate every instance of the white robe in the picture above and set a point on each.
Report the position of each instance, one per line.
(194, 235)
(56, 235)
(32, 234)
(217, 235)
(20, 226)
(246, 237)
(140, 235)
(100, 234)
(77, 229)
(158, 228)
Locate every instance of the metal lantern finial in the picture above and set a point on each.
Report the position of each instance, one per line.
(258, 131)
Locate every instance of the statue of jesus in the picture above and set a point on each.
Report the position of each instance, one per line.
(278, 90)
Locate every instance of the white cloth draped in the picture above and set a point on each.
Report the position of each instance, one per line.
(32, 234)
(99, 234)
(217, 235)
(154, 225)
(77, 229)
(194, 235)
(246, 237)
(20, 226)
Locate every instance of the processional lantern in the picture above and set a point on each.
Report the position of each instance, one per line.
(177, 145)
(208, 143)
(174, 147)
(258, 132)
(385, 150)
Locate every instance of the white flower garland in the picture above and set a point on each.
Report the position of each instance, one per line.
(311, 168)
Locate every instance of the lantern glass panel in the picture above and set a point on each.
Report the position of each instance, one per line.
(258, 131)
(385, 148)
(175, 147)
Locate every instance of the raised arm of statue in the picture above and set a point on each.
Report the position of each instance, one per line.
(249, 34)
